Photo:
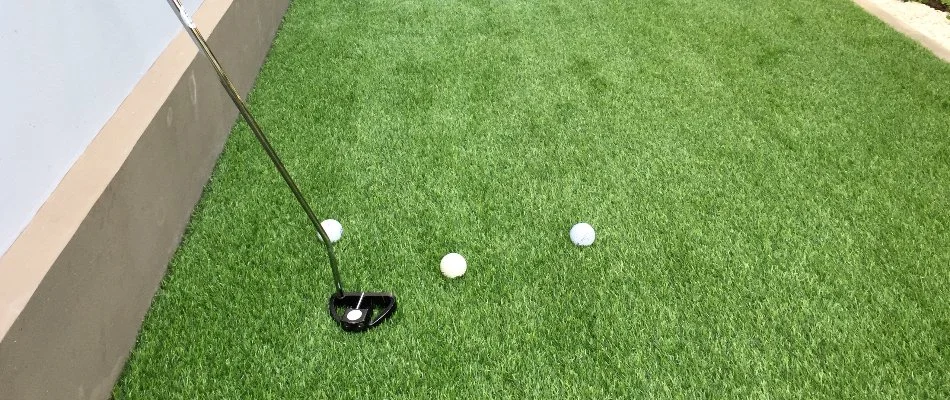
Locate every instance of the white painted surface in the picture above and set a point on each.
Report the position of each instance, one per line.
(929, 21)
(66, 66)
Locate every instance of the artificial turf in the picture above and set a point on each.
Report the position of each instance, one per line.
(769, 181)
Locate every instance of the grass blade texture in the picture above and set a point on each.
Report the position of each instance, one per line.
(769, 181)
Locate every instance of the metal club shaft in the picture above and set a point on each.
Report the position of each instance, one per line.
(261, 138)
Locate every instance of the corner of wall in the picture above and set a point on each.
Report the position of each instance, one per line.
(77, 283)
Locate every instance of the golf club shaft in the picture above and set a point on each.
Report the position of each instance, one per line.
(259, 134)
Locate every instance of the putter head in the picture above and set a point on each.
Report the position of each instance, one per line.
(359, 311)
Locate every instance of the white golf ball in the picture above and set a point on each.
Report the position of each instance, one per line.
(333, 228)
(354, 315)
(582, 234)
(453, 265)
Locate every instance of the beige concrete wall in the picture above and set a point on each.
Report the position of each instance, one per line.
(77, 283)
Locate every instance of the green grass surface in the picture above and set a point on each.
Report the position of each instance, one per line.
(769, 180)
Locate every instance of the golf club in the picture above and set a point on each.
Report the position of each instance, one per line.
(353, 311)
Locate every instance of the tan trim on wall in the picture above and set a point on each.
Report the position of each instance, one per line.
(939, 49)
(77, 282)
(24, 265)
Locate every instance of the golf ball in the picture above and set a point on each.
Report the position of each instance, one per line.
(582, 234)
(354, 315)
(333, 228)
(453, 265)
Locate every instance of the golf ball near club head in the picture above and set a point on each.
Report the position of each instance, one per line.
(582, 234)
(453, 265)
(333, 228)
(354, 315)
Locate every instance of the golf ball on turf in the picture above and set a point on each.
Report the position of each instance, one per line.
(453, 265)
(333, 228)
(582, 234)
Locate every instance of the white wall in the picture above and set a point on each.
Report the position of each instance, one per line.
(66, 65)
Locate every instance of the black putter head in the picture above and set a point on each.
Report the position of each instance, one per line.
(359, 311)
